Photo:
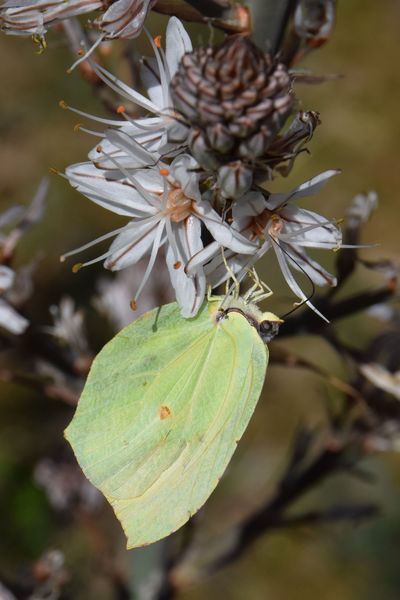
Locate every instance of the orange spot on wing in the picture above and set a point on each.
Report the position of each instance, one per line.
(121, 109)
(164, 412)
(164, 171)
(157, 41)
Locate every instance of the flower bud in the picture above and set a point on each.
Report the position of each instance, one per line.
(234, 179)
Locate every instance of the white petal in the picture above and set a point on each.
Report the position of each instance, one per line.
(11, 320)
(308, 188)
(151, 81)
(189, 290)
(201, 257)
(251, 204)
(120, 198)
(183, 170)
(148, 132)
(131, 245)
(7, 277)
(308, 228)
(292, 283)
(177, 44)
(304, 263)
(156, 245)
(226, 236)
(216, 271)
(124, 90)
(151, 179)
(139, 155)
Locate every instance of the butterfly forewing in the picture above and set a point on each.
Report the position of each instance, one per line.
(163, 408)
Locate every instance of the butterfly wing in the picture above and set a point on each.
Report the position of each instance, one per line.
(163, 408)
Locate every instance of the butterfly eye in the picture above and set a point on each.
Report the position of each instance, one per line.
(268, 330)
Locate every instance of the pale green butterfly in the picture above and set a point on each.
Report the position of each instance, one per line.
(163, 408)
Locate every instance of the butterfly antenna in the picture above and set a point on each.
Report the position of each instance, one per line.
(312, 293)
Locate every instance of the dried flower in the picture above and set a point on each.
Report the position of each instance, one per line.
(33, 17)
(314, 21)
(286, 146)
(125, 18)
(122, 19)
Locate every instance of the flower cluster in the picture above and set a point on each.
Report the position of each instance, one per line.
(188, 175)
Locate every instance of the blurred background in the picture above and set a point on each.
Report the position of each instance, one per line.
(49, 515)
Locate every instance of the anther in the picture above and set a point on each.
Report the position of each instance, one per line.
(77, 267)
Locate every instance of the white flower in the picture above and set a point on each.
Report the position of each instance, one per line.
(10, 319)
(140, 142)
(33, 17)
(284, 227)
(68, 326)
(167, 209)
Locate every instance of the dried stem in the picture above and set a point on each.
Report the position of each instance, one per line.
(295, 483)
